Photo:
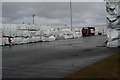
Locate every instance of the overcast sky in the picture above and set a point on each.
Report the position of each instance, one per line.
(50, 13)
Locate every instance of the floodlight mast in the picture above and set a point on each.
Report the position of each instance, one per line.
(71, 15)
(33, 19)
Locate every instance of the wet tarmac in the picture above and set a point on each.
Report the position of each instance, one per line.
(53, 59)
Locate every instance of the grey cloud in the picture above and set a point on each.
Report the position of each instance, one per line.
(84, 13)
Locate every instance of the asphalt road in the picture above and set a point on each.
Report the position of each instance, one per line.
(53, 59)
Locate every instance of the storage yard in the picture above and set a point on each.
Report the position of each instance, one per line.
(53, 40)
(12, 34)
(53, 59)
(35, 51)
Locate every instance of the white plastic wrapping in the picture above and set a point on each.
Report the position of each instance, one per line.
(47, 36)
(5, 41)
(113, 23)
(50, 38)
(22, 34)
(0, 37)
(113, 38)
(68, 35)
(0, 41)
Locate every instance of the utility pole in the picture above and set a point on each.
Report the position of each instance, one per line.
(33, 18)
(71, 14)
